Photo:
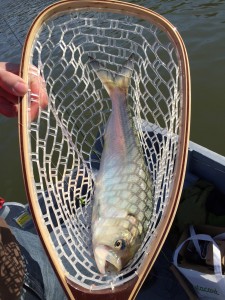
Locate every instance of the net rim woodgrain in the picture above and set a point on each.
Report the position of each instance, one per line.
(130, 289)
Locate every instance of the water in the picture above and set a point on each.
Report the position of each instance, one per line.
(201, 24)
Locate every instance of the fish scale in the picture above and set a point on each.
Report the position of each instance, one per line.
(123, 205)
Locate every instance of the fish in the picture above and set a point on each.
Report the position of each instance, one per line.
(123, 197)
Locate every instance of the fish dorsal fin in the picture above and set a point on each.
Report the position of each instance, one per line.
(110, 81)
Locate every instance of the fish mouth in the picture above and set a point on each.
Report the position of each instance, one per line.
(107, 260)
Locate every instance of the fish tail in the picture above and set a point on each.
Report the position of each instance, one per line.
(111, 81)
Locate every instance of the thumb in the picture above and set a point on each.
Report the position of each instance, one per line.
(12, 83)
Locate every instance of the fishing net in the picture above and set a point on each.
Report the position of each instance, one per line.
(65, 140)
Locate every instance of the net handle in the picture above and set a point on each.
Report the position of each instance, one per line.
(165, 224)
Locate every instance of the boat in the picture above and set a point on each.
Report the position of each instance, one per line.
(207, 165)
(164, 282)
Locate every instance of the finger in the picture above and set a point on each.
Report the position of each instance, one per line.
(8, 109)
(38, 92)
(34, 110)
(10, 67)
(10, 97)
(12, 83)
(40, 101)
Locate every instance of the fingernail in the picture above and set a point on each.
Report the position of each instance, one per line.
(20, 88)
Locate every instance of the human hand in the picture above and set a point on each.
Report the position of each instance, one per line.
(12, 86)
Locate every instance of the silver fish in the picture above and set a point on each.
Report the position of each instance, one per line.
(123, 202)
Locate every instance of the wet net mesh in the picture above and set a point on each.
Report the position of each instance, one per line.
(66, 138)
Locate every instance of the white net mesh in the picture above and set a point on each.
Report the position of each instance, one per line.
(66, 138)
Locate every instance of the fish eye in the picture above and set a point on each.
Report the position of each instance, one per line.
(120, 244)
